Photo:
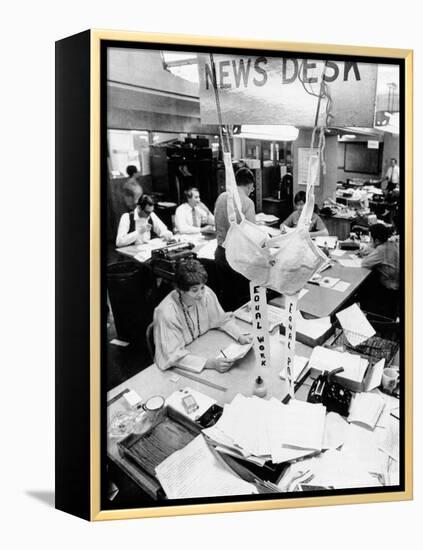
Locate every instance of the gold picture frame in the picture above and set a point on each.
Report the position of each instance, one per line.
(85, 499)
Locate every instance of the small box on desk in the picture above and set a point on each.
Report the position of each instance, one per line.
(311, 337)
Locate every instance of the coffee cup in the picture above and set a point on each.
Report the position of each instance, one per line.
(389, 379)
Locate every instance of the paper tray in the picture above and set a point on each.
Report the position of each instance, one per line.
(149, 449)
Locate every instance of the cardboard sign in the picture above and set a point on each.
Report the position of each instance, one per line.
(260, 324)
(274, 90)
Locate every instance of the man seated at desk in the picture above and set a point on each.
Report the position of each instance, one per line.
(317, 227)
(193, 216)
(382, 256)
(140, 225)
(188, 312)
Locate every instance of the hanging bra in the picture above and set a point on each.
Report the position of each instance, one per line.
(284, 263)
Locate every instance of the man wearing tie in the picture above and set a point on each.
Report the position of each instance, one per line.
(392, 176)
(193, 216)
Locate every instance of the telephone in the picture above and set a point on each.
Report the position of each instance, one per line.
(331, 394)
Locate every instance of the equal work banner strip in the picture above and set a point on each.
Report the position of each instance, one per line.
(260, 324)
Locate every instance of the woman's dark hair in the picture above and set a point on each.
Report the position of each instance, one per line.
(380, 232)
(300, 197)
(131, 170)
(244, 176)
(145, 200)
(190, 273)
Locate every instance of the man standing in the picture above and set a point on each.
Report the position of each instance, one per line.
(234, 287)
(193, 216)
(392, 176)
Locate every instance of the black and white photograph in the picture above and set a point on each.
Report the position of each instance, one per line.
(253, 259)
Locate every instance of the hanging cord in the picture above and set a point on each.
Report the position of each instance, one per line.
(219, 110)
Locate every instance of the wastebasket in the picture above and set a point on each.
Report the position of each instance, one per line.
(131, 295)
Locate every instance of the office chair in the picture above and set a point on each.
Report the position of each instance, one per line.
(149, 339)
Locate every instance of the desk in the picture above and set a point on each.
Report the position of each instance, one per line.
(321, 302)
(240, 379)
(198, 240)
(338, 225)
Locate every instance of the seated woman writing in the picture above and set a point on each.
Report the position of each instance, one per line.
(317, 227)
(141, 225)
(185, 314)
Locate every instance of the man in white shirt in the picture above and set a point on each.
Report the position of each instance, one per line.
(193, 216)
(234, 287)
(392, 176)
(139, 226)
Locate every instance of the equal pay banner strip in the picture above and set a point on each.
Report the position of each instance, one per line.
(275, 90)
(290, 334)
(260, 324)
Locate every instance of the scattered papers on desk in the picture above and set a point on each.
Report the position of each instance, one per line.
(298, 424)
(362, 445)
(390, 443)
(207, 251)
(191, 363)
(266, 218)
(325, 359)
(357, 328)
(333, 469)
(256, 427)
(144, 253)
(329, 242)
(337, 252)
(366, 409)
(313, 328)
(157, 242)
(204, 402)
(342, 286)
(356, 262)
(325, 282)
(235, 351)
(375, 377)
(275, 315)
(335, 431)
(300, 364)
(195, 471)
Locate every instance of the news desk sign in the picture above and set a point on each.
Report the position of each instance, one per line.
(274, 90)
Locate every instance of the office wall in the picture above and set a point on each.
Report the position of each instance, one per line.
(328, 180)
(342, 175)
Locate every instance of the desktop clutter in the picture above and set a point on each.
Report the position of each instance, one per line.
(343, 432)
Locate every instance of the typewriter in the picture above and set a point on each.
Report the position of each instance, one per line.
(164, 260)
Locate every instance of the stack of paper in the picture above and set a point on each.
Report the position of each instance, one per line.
(366, 409)
(332, 469)
(195, 471)
(313, 328)
(324, 359)
(207, 251)
(300, 364)
(191, 363)
(268, 429)
(357, 328)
